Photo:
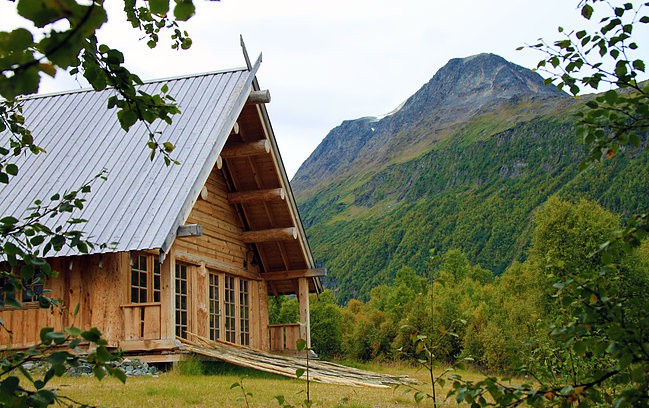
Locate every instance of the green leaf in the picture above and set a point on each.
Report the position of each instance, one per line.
(299, 372)
(637, 64)
(611, 97)
(159, 7)
(587, 11)
(184, 10)
(92, 335)
(73, 331)
(300, 344)
(40, 12)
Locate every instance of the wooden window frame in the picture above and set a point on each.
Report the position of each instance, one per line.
(244, 312)
(214, 299)
(182, 327)
(230, 308)
(151, 291)
(19, 294)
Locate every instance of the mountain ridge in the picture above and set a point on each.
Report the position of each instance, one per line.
(456, 92)
(462, 168)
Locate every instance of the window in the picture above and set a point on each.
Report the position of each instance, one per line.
(231, 295)
(244, 312)
(181, 301)
(215, 309)
(33, 288)
(28, 296)
(145, 279)
(229, 302)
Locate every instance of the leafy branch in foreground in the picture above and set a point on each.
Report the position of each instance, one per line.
(58, 351)
(26, 54)
(585, 59)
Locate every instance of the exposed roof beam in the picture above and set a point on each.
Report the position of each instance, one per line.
(256, 195)
(258, 148)
(275, 234)
(258, 97)
(190, 230)
(294, 274)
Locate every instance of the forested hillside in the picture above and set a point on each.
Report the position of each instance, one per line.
(472, 155)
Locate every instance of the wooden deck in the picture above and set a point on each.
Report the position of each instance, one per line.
(319, 371)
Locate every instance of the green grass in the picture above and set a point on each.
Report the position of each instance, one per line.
(174, 389)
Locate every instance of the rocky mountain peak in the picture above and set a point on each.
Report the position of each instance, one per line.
(462, 89)
(475, 81)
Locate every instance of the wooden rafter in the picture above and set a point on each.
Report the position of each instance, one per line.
(294, 274)
(234, 150)
(273, 234)
(256, 196)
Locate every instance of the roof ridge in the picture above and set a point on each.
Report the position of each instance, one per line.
(145, 82)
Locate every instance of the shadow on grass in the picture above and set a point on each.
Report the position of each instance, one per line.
(195, 366)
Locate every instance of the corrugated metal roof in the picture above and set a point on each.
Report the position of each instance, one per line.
(142, 203)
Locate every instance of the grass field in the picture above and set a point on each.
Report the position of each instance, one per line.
(189, 388)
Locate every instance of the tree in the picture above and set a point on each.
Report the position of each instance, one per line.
(63, 37)
(599, 325)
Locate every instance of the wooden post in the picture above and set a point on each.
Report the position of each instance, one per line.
(200, 289)
(305, 319)
(167, 330)
(264, 338)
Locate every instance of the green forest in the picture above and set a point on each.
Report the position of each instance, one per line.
(512, 323)
(474, 194)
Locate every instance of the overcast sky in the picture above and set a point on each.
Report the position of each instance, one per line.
(328, 61)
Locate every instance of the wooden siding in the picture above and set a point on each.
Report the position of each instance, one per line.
(221, 239)
(98, 291)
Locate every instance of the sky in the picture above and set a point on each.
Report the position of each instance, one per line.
(334, 60)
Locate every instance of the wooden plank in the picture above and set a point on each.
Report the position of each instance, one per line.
(151, 322)
(293, 334)
(277, 338)
(147, 345)
(319, 371)
(106, 283)
(132, 320)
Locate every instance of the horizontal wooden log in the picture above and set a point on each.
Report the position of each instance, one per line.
(275, 234)
(257, 195)
(259, 97)
(191, 230)
(294, 274)
(215, 265)
(258, 148)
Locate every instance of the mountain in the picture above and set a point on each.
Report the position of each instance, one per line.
(463, 163)
(462, 89)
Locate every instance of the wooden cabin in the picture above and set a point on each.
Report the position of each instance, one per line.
(195, 249)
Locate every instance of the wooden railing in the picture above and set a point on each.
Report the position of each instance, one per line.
(284, 337)
(142, 321)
